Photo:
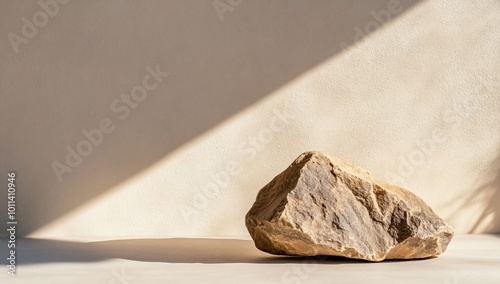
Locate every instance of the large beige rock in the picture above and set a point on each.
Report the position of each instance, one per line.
(321, 205)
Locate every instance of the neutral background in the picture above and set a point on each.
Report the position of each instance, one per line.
(408, 90)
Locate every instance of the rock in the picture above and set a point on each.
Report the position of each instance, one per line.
(321, 205)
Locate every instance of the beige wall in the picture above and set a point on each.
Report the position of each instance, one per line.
(251, 84)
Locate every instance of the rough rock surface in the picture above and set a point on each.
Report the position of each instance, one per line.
(321, 205)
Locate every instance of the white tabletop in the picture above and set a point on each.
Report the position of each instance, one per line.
(469, 259)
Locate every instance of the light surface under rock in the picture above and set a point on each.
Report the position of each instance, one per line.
(321, 205)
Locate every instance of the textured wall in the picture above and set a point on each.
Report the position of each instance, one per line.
(106, 143)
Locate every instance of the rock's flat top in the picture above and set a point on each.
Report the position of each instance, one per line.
(322, 205)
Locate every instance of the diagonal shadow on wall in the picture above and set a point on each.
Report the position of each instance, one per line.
(65, 79)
